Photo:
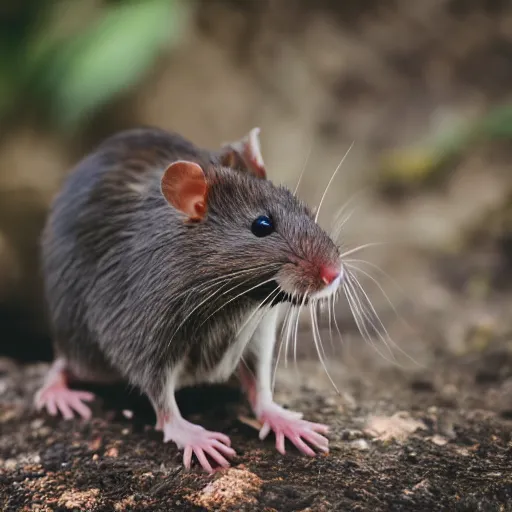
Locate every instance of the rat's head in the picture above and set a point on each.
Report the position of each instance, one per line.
(257, 231)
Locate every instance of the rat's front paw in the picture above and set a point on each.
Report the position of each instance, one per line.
(290, 425)
(194, 439)
(59, 398)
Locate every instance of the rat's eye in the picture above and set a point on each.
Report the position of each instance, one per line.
(262, 226)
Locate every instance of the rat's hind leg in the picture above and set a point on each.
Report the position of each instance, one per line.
(56, 396)
(189, 437)
(256, 381)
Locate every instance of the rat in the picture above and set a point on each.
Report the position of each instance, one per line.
(164, 266)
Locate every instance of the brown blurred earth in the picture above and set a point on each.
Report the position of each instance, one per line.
(426, 425)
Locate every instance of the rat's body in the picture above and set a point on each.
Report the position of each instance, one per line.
(153, 276)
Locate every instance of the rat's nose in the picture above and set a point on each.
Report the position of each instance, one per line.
(329, 273)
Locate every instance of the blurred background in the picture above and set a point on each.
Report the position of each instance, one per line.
(423, 89)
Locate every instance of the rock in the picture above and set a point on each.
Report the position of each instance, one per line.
(81, 500)
(397, 427)
(360, 444)
(234, 487)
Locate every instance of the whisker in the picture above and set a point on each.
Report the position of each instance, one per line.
(361, 325)
(297, 326)
(336, 324)
(216, 280)
(369, 276)
(330, 319)
(314, 305)
(260, 306)
(330, 181)
(303, 169)
(366, 317)
(285, 319)
(335, 232)
(209, 297)
(287, 339)
(376, 316)
(385, 274)
(360, 248)
(236, 297)
(317, 343)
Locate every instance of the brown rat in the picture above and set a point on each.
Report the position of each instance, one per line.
(164, 265)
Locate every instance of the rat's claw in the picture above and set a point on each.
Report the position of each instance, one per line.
(290, 425)
(64, 408)
(196, 440)
(201, 457)
(215, 455)
(51, 407)
(228, 451)
(187, 457)
(223, 438)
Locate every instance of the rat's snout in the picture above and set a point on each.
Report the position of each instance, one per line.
(329, 273)
(330, 279)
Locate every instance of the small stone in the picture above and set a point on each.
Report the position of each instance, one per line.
(350, 435)
(449, 395)
(439, 440)
(79, 499)
(37, 424)
(95, 444)
(123, 504)
(10, 464)
(397, 427)
(112, 452)
(125, 431)
(360, 444)
(127, 413)
(233, 488)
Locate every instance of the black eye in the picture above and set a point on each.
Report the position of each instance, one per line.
(262, 226)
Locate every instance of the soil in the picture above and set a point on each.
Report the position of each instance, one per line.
(425, 425)
(431, 435)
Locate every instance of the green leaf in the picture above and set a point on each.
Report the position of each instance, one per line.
(111, 56)
(498, 123)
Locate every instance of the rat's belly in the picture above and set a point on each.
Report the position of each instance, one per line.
(229, 361)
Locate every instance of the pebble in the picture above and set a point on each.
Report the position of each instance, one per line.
(350, 435)
(449, 395)
(37, 424)
(360, 444)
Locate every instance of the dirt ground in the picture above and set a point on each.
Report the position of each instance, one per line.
(435, 434)
(429, 431)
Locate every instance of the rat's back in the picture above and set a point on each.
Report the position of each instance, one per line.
(88, 230)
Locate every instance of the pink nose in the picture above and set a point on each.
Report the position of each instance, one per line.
(328, 274)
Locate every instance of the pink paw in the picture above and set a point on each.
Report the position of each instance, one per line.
(59, 398)
(290, 425)
(194, 439)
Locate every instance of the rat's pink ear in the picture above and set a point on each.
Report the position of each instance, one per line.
(184, 186)
(245, 155)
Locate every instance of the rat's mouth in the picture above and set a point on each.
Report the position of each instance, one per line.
(269, 294)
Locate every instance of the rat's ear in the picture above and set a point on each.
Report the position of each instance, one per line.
(245, 154)
(184, 186)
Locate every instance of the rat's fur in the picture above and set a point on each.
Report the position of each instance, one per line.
(123, 269)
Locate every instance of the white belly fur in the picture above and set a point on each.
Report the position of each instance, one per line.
(233, 355)
(229, 363)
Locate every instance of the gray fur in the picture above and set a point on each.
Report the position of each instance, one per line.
(123, 269)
